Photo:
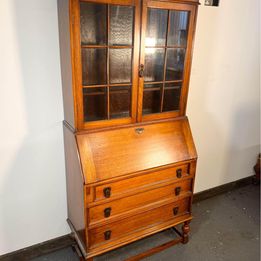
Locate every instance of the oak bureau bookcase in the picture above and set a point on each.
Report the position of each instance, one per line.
(130, 155)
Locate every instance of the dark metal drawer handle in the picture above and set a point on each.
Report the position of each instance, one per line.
(179, 173)
(175, 211)
(177, 191)
(107, 212)
(107, 235)
(139, 130)
(107, 192)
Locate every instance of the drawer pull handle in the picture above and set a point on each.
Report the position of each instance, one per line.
(139, 130)
(107, 212)
(107, 235)
(107, 192)
(175, 211)
(177, 191)
(179, 173)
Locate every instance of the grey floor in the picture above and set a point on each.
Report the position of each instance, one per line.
(225, 227)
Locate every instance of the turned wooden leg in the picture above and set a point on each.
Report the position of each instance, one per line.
(185, 230)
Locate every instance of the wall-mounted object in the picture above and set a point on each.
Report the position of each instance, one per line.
(130, 156)
(212, 2)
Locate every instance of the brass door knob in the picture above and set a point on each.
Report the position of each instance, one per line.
(141, 71)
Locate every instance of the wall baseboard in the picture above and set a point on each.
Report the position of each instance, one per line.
(44, 248)
(209, 193)
(55, 244)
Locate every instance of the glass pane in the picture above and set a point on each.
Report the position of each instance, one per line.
(120, 102)
(93, 66)
(93, 23)
(120, 65)
(175, 64)
(95, 104)
(178, 28)
(154, 64)
(151, 98)
(121, 25)
(156, 27)
(171, 97)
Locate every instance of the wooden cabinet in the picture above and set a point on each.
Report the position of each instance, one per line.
(130, 156)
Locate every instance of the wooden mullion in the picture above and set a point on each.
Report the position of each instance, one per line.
(172, 81)
(172, 88)
(136, 31)
(108, 62)
(165, 64)
(105, 85)
(102, 93)
(93, 93)
(94, 86)
(119, 84)
(177, 47)
(107, 46)
(94, 46)
(153, 82)
(143, 20)
(121, 46)
(171, 46)
(151, 89)
(112, 2)
(120, 91)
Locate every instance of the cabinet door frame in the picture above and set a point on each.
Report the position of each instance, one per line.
(77, 65)
(192, 8)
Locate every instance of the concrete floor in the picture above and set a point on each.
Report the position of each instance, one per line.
(225, 227)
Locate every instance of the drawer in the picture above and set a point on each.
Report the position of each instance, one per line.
(108, 233)
(141, 182)
(139, 201)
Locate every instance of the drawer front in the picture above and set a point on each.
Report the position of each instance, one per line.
(108, 233)
(139, 201)
(141, 182)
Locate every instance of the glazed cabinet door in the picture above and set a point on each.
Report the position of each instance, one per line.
(166, 43)
(106, 41)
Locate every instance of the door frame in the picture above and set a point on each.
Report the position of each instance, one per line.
(192, 8)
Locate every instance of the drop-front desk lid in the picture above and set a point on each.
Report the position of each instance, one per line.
(116, 152)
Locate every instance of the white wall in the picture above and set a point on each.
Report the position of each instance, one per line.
(223, 105)
(32, 172)
(223, 110)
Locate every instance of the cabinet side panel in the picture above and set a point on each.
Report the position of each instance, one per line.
(65, 58)
(74, 185)
(189, 139)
